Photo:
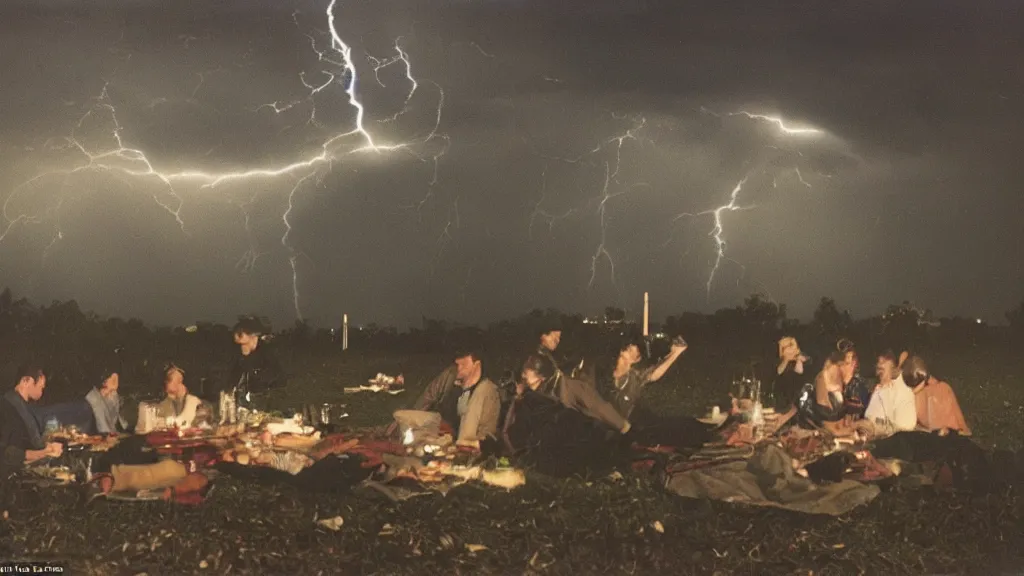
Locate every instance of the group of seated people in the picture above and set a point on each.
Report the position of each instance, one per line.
(480, 417)
(254, 370)
(481, 414)
(906, 397)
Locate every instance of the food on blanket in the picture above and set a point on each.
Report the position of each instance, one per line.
(381, 383)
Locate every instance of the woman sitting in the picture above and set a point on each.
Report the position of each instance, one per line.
(821, 403)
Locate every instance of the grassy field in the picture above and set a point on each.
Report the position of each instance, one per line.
(574, 526)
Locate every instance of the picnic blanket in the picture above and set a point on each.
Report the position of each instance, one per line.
(768, 479)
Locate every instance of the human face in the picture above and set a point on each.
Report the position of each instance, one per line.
(247, 342)
(531, 379)
(174, 383)
(467, 369)
(551, 339)
(630, 354)
(110, 385)
(35, 388)
(848, 367)
(885, 369)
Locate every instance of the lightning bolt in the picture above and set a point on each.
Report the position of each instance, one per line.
(119, 159)
(717, 213)
(718, 231)
(611, 188)
(780, 123)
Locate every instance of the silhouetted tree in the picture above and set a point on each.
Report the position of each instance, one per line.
(829, 321)
(613, 314)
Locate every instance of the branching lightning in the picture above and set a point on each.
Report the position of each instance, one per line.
(134, 165)
(718, 228)
(611, 188)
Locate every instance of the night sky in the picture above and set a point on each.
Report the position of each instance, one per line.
(563, 154)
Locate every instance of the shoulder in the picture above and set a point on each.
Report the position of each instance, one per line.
(488, 387)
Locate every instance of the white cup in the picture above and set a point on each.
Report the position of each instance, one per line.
(716, 412)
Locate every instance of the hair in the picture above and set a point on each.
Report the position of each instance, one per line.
(785, 341)
(463, 353)
(539, 365)
(29, 370)
(172, 367)
(837, 357)
(548, 325)
(851, 350)
(105, 373)
(631, 340)
(249, 325)
(915, 371)
(889, 355)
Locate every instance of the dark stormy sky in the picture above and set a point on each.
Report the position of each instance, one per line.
(571, 135)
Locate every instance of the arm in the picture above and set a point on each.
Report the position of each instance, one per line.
(662, 368)
(269, 375)
(958, 414)
(273, 375)
(432, 394)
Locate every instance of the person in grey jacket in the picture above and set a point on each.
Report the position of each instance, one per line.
(106, 404)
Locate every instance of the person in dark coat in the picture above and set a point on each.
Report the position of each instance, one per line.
(256, 369)
(21, 440)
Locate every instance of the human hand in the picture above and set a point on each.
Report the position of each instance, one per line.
(679, 346)
(54, 449)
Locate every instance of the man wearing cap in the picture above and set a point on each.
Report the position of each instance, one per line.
(255, 369)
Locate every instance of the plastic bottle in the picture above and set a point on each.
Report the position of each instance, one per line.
(52, 425)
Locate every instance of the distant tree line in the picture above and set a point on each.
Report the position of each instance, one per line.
(77, 345)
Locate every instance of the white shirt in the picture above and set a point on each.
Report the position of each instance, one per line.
(892, 407)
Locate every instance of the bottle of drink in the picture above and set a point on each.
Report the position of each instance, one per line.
(52, 425)
(757, 420)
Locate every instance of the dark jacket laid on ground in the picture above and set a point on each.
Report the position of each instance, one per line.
(544, 435)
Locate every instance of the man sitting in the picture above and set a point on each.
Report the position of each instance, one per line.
(255, 369)
(891, 408)
(106, 404)
(937, 407)
(465, 399)
(177, 410)
(20, 439)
